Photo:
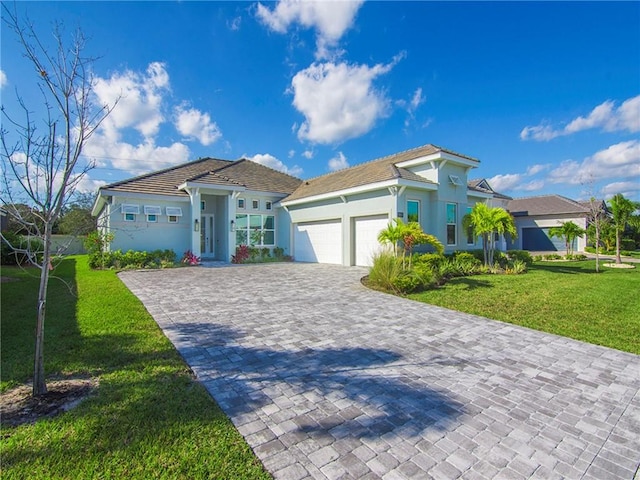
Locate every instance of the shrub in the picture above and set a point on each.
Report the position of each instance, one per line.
(264, 252)
(537, 258)
(242, 254)
(12, 242)
(521, 255)
(576, 256)
(627, 244)
(190, 259)
(552, 256)
(278, 252)
(517, 267)
(385, 270)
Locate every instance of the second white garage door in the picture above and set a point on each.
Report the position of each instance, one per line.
(366, 238)
(319, 242)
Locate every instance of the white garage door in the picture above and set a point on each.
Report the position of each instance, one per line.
(319, 242)
(366, 238)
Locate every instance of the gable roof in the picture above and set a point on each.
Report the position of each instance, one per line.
(211, 171)
(379, 170)
(545, 205)
(482, 185)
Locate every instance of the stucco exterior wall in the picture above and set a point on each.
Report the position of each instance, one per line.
(143, 235)
(549, 221)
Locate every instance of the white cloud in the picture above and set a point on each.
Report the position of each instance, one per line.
(308, 154)
(291, 153)
(416, 100)
(338, 162)
(234, 24)
(195, 124)
(85, 184)
(3, 79)
(535, 169)
(339, 101)
(331, 19)
(621, 160)
(628, 189)
(139, 98)
(107, 149)
(502, 183)
(270, 161)
(532, 186)
(604, 116)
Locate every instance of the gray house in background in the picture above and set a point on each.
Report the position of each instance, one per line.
(211, 206)
(534, 216)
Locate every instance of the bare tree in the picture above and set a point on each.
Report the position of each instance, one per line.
(42, 162)
(596, 216)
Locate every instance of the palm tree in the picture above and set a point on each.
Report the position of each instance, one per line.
(486, 222)
(392, 234)
(622, 211)
(410, 234)
(569, 231)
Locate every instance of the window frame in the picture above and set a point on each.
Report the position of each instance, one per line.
(245, 235)
(242, 203)
(453, 224)
(129, 217)
(268, 205)
(417, 202)
(150, 219)
(255, 204)
(173, 218)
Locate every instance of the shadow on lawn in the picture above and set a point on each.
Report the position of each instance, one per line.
(470, 283)
(346, 390)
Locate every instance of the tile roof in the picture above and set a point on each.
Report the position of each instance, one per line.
(210, 171)
(545, 205)
(379, 170)
(481, 185)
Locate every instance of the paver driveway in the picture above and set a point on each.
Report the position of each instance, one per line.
(327, 379)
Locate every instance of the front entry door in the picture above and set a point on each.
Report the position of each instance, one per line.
(207, 241)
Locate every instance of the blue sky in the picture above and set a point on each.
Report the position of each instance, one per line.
(546, 95)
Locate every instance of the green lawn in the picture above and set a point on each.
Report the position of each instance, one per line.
(148, 417)
(566, 298)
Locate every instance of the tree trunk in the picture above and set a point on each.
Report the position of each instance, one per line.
(39, 384)
(618, 259)
(597, 247)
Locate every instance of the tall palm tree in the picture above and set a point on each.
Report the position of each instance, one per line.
(486, 222)
(569, 231)
(622, 211)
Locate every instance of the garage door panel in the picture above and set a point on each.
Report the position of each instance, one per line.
(538, 240)
(318, 242)
(367, 230)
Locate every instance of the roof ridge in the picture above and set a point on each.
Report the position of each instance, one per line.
(368, 162)
(244, 159)
(164, 170)
(215, 174)
(538, 196)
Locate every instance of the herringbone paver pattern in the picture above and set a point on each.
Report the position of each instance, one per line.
(326, 379)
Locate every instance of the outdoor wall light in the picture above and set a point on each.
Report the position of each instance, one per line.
(196, 225)
(233, 225)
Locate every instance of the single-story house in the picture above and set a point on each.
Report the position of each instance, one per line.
(534, 216)
(210, 206)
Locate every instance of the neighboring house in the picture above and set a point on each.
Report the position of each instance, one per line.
(211, 206)
(534, 216)
(4, 220)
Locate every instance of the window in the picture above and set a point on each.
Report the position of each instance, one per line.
(452, 222)
(413, 211)
(471, 239)
(267, 205)
(172, 218)
(241, 203)
(255, 230)
(130, 212)
(152, 218)
(203, 205)
(255, 204)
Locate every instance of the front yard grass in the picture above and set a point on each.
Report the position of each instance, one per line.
(565, 298)
(148, 418)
